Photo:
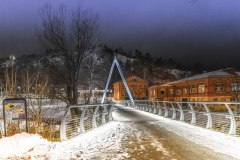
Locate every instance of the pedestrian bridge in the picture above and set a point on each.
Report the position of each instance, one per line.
(217, 116)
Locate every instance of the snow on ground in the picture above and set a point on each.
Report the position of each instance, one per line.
(178, 74)
(19, 144)
(124, 59)
(109, 140)
(102, 142)
(219, 142)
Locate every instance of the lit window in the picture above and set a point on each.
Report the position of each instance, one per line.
(171, 91)
(219, 87)
(178, 91)
(201, 88)
(193, 89)
(185, 90)
(235, 87)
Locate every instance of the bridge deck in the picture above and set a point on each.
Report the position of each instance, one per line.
(135, 134)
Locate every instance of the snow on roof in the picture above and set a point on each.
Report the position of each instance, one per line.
(221, 72)
(135, 77)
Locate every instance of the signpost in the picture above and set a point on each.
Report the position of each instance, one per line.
(15, 116)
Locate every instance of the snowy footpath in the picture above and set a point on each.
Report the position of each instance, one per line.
(132, 135)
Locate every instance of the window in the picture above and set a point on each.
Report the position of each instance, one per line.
(134, 87)
(178, 91)
(154, 92)
(185, 90)
(219, 87)
(235, 87)
(193, 89)
(134, 80)
(171, 91)
(201, 88)
(162, 91)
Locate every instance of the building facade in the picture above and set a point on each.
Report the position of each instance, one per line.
(138, 88)
(220, 85)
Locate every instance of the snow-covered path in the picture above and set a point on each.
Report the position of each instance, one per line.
(139, 135)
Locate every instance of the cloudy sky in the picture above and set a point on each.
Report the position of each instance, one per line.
(204, 30)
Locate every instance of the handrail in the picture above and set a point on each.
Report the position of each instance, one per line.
(87, 117)
(203, 114)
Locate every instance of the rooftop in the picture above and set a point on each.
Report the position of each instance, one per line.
(217, 73)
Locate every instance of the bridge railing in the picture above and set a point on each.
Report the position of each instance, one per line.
(219, 116)
(78, 119)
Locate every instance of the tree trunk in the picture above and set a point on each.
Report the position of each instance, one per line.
(75, 94)
(72, 95)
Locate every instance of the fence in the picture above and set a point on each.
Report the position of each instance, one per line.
(80, 118)
(219, 116)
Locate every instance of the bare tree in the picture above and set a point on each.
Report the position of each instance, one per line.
(8, 82)
(92, 64)
(68, 41)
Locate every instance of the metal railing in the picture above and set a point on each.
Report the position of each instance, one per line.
(219, 116)
(78, 119)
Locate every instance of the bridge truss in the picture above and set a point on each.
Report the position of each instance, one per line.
(115, 62)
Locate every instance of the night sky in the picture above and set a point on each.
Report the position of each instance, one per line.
(205, 30)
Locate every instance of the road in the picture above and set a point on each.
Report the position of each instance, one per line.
(146, 140)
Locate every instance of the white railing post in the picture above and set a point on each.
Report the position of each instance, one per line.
(110, 118)
(209, 117)
(149, 108)
(146, 108)
(154, 109)
(181, 112)
(193, 121)
(63, 135)
(233, 125)
(82, 129)
(166, 110)
(174, 111)
(104, 113)
(94, 116)
(160, 109)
